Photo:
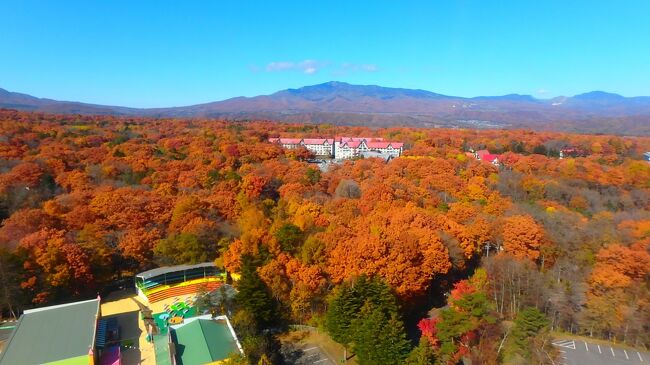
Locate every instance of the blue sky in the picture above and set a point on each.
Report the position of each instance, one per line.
(164, 53)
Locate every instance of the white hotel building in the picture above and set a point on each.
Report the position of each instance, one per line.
(318, 146)
(343, 147)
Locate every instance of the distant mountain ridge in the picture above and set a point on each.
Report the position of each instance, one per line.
(343, 103)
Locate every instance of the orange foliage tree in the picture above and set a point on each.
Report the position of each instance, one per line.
(522, 237)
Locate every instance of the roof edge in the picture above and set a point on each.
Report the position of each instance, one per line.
(41, 309)
(169, 269)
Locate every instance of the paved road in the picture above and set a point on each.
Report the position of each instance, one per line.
(313, 355)
(578, 352)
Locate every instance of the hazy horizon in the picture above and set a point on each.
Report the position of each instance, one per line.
(434, 91)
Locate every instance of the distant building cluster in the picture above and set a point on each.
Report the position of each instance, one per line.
(345, 147)
(572, 152)
(497, 160)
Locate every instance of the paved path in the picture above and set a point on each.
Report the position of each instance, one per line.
(579, 352)
(127, 307)
(313, 354)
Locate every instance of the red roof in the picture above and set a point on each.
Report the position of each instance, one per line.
(318, 140)
(382, 144)
(352, 144)
(378, 144)
(289, 140)
(569, 150)
(358, 139)
(489, 157)
(482, 153)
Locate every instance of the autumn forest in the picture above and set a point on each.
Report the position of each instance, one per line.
(426, 259)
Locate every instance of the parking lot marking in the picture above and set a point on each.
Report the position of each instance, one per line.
(640, 358)
(586, 347)
(569, 344)
(600, 352)
(612, 352)
(625, 352)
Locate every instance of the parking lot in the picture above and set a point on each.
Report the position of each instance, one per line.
(313, 355)
(579, 352)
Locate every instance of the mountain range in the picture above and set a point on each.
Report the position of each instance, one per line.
(342, 103)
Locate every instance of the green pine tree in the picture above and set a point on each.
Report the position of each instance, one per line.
(289, 236)
(253, 295)
(423, 354)
(393, 341)
(467, 314)
(379, 338)
(342, 309)
(347, 301)
(528, 324)
(365, 333)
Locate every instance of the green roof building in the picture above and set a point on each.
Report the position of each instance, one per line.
(202, 340)
(60, 334)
